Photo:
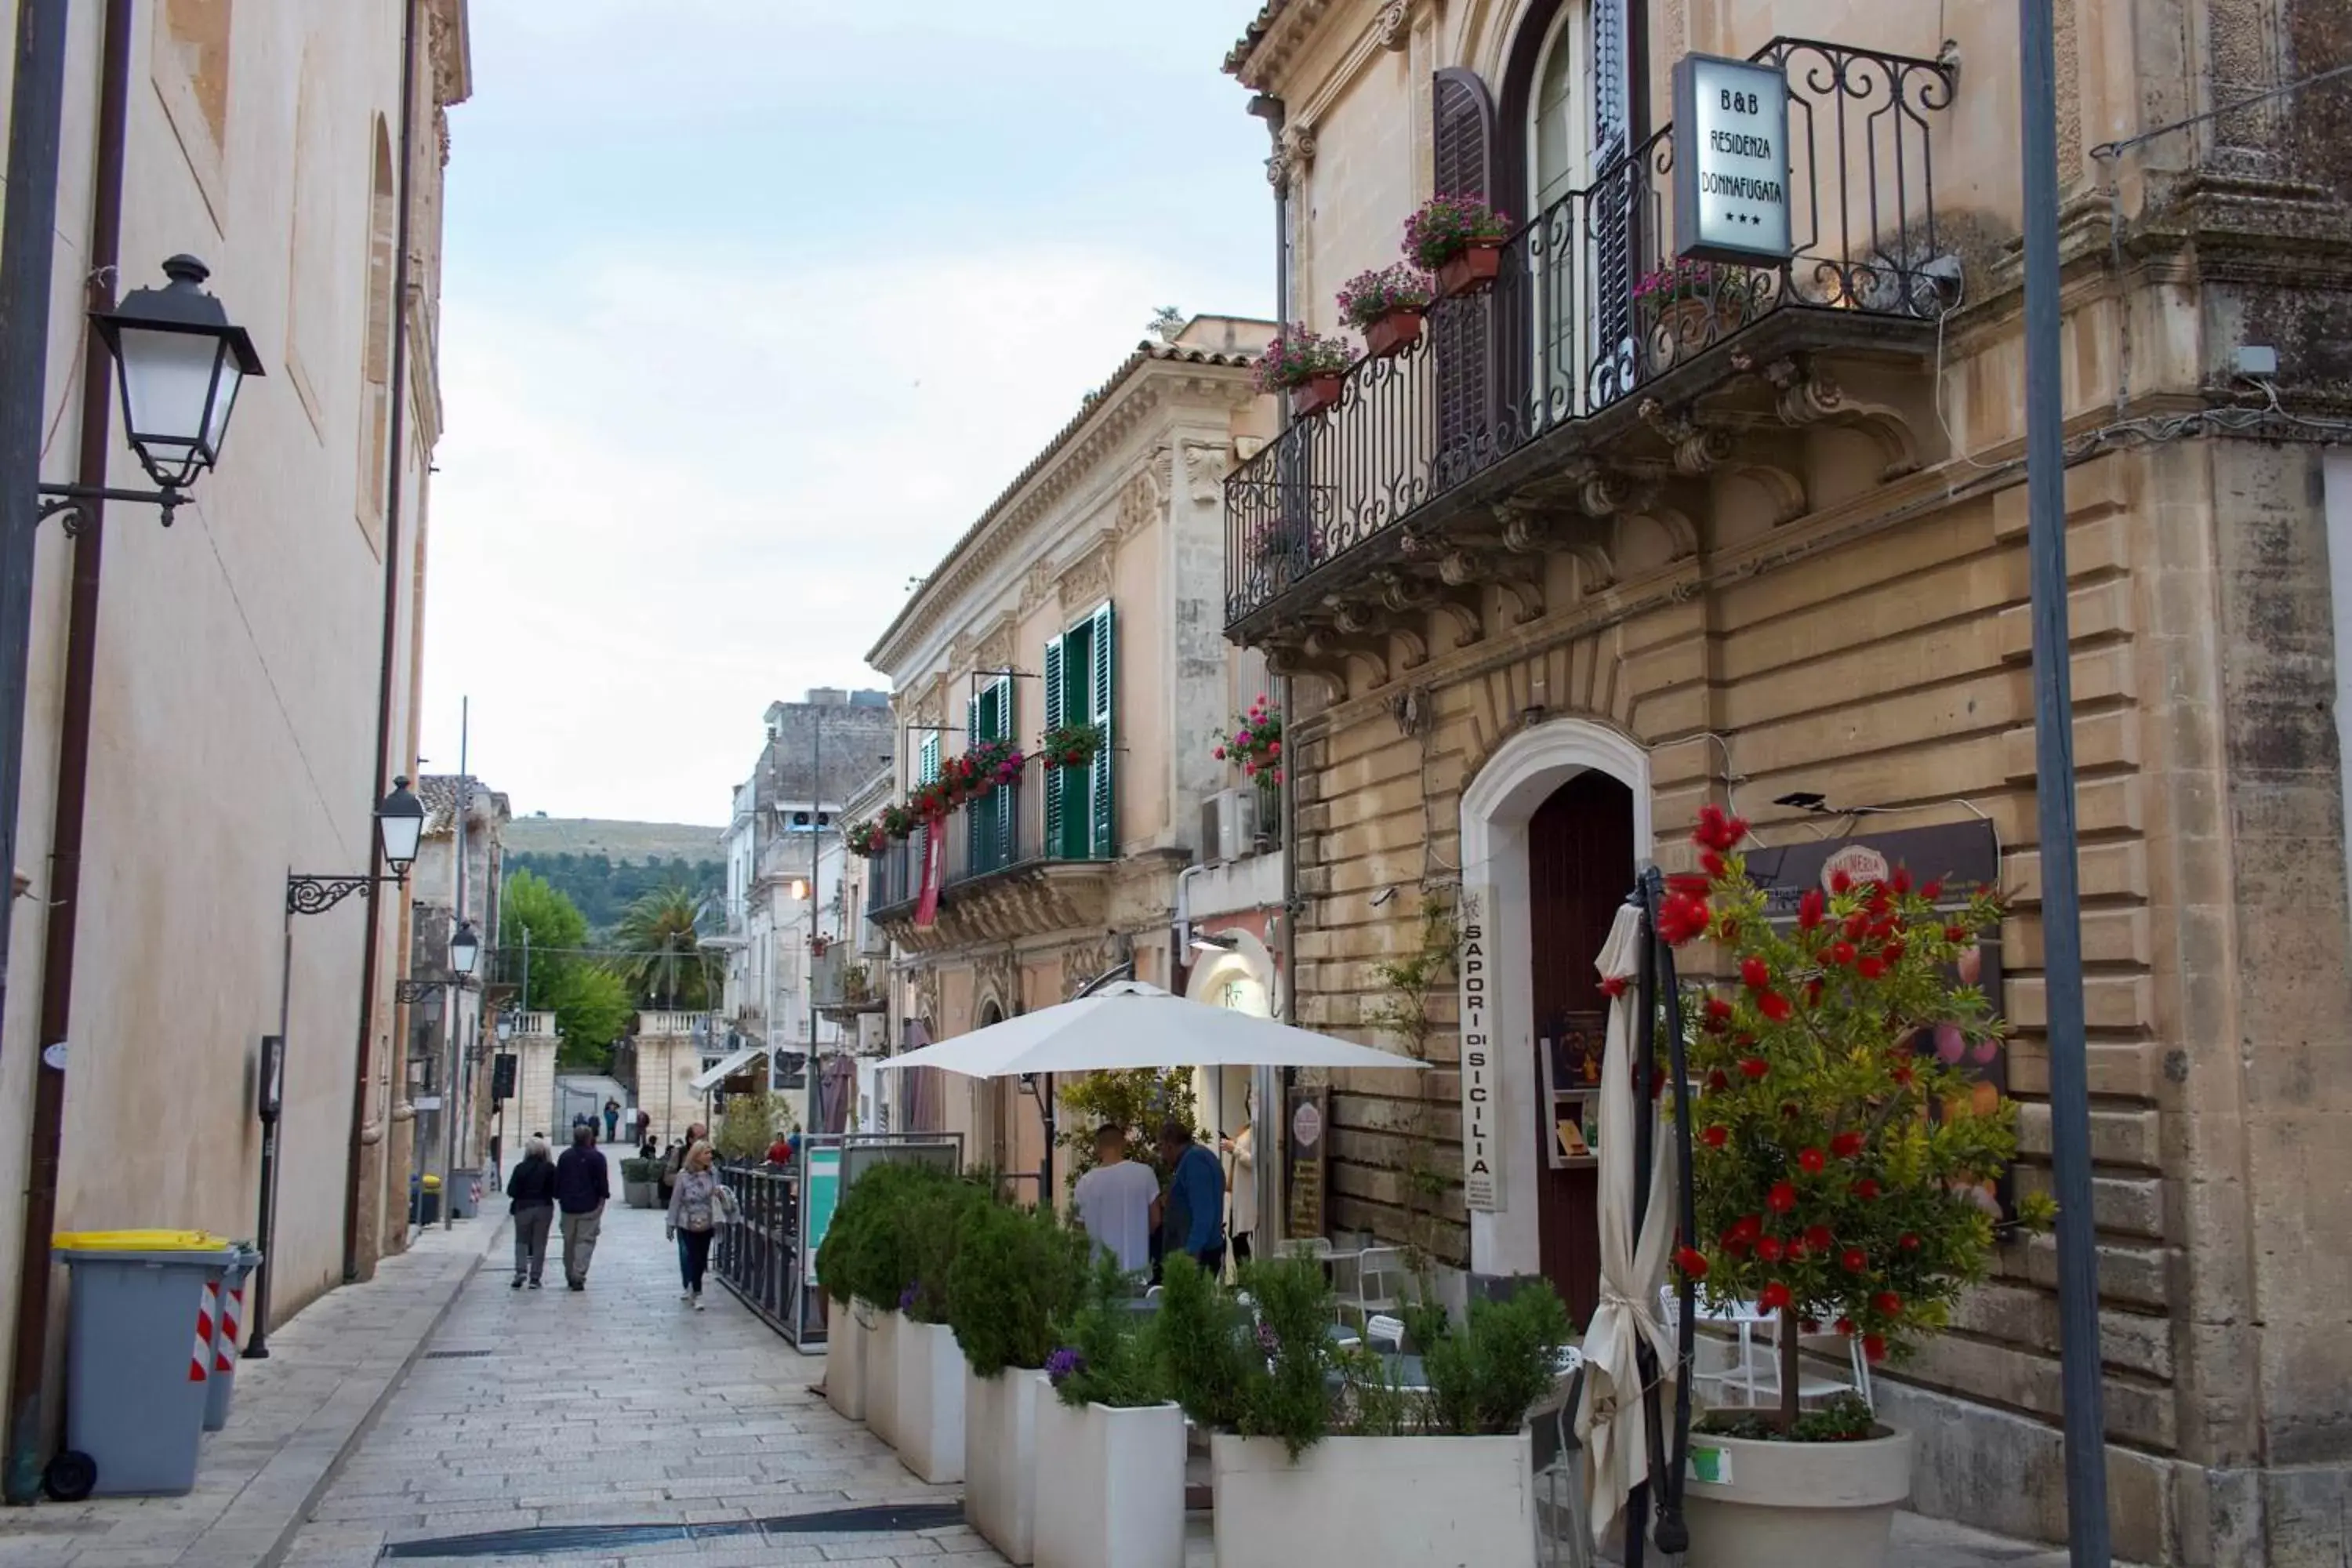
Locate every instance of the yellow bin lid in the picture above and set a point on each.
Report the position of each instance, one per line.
(432, 1183)
(138, 1241)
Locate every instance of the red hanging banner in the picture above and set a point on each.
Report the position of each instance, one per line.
(927, 903)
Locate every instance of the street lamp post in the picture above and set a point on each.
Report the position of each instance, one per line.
(465, 952)
(399, 827)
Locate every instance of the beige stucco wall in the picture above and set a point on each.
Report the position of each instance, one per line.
(235, 711)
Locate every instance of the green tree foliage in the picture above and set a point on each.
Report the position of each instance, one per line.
(1017, 1271)
(748, 1123)
(1138, 1099)
(591, 1012)
(604, 890)
(592, 1008)
(1484, 1377)
(661, 959)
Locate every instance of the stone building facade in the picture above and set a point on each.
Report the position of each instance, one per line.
(1089, 593)
(1594, 553)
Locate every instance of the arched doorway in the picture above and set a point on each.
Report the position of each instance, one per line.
(1580, 867)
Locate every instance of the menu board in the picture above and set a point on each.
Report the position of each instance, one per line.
(1306, 1158)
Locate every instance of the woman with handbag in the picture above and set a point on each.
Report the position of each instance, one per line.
(698, 1207)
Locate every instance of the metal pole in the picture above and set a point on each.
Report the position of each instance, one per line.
(265, 1224)
(457, 988)
(2054, 738)
(816, 846)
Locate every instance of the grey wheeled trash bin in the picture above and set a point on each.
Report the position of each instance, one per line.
(139, 1356)
(228, 1318)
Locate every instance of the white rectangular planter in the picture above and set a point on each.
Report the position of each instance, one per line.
(1113, 1488)
(1412, 1502)
(999, 1457)
(927, 1422)
(881, 1379)
(844, 1359)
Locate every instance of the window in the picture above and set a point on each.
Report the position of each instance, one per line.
(191, 69)
(988, 716)
(375, 350)
(1081, 812)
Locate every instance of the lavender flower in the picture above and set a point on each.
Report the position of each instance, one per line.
(1267, 1340)
(1062, 1364)
(907, 1297)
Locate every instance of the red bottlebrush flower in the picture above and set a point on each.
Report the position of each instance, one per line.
(1812, 908)
(1796, 1253)
(1887, 1304)
(1841, 954)
(1735, 1243)
(1813, 991)
(1907, 1241)
(1858, 925)
(1873, 1347)
(1773, 1297)
(1792, 1109)
(1682, 918)
(1855, 1259)
(1613, 988)
(1690, 884)
(1870, 968)
(1783, 1197)
(1818, 1237)
(1844, 1326)
(1931, 891)
(1955, 934)
(1902, 1076)
(1754, 1068)
(1751, 1226)
(1718, 1012)
(1711, 863)
(1841, 882)
(1716, 1136)
(1708, 833)
(1847, 1145)
(1775, 1006)
(1755, 973)
(1770, 1250)
(1899, 883)
(1718, 1080)
(1811, 1162)
(1692, 1262)
(1729, 930)
(1893, 953)
(1866, 1189)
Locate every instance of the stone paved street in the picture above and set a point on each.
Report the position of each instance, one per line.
(436, 1404)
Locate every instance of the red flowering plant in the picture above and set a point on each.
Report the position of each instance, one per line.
(1368, 296)
(1445, 227)
(1298, 356)
(870, 840)
(1841, 1174)
(1070, 745)
(988, 766)
(1256, 743)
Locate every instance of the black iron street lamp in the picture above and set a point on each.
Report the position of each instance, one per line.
(399, 829)
(465, 957)
(180, 362)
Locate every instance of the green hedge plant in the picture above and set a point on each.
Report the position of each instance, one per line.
(1108, 1352)
(1017, 1271)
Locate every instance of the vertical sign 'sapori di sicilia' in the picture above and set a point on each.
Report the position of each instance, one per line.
(1481, 1180)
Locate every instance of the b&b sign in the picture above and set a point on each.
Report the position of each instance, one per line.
(1731, 161)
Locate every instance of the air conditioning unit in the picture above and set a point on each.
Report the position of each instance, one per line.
(1229, 825)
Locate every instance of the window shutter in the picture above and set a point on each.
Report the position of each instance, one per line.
(1612, 215)
(975, 829)
(927, 765)
(1104, 839)
(1461, 146)
(998, 805)
(1049, 776)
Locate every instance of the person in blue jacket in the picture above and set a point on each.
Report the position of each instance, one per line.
(1192, 1210)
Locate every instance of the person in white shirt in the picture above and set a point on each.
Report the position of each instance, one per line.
(1114, 1201)
(1241, 1182)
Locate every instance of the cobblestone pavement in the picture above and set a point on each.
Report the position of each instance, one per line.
(436, 1404)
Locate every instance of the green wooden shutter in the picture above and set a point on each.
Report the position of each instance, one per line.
(975, 828)
(999, 807)
(1103, 840)
(927, 765)
(1049, 776)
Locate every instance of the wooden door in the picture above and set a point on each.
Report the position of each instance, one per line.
(1579, 868)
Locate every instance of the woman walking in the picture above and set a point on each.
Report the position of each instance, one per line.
(696, 1204)
(532, 1192)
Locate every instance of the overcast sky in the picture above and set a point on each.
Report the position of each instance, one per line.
(749, 307)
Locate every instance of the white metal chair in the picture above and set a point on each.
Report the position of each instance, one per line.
(1756, 1371)
(1315, 1247)
(1380, 1281)
(1385, 1330)
(1563, 1529)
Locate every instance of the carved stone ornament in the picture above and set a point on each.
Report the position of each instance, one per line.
(1036, 585)
(927, 995)
(1394, 28)
(1206, 465)
(1082, 960)
(995, 649)
(995, 977)
(1138, 504)
(1086, 581)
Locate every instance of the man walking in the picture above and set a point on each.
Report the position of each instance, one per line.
(1193, 1214)
(581, 1185)
(612, 1121)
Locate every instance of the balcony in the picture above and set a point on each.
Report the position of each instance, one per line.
(1531, 418)
(1001, 880)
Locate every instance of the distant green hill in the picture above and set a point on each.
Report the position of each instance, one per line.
(605, 867)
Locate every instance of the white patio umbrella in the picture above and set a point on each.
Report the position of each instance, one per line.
(1130, 1024)
(1611, 1421)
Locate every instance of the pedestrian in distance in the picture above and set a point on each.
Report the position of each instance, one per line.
(1241, 1152)
(612, 1121)
(676, 1159)
(698, 1204)
(1114, 1201)
(581, 1186)
(531, 1195)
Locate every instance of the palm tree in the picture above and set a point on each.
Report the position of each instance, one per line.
(661, 959)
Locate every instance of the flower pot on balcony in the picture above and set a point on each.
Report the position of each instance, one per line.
(1114, 1496)
(1375, 1501)
(999, 1457)
(881, 1380)
(927, 1419)
(1393, 334)
(1752, 1502)
(846, 1338)
(1316, 393)
(1470, 269)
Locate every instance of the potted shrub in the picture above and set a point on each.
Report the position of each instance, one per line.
(864, 1266)
(1460, 239)
(1386, 305)
(1685, 307)
(1071, 745)
(1110, 1443)
(1318, 1457)
(640, 1182)
(1308, 365)
(1844, 1172)
(927, 1419)
(1016, 1272)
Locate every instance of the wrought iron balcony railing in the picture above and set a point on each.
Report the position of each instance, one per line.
(1002, 833)
(1590, 308)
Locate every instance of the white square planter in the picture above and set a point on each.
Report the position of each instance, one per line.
(881, 1379)
(844, 1359)
(1112, 1488)
(999, 1457)
(927, 1419)
(1412, 1502)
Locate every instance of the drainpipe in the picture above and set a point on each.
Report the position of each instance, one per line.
(26, 1429)
(363, 1065)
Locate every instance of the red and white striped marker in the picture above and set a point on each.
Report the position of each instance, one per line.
(232, 1318)
(206, 1306)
